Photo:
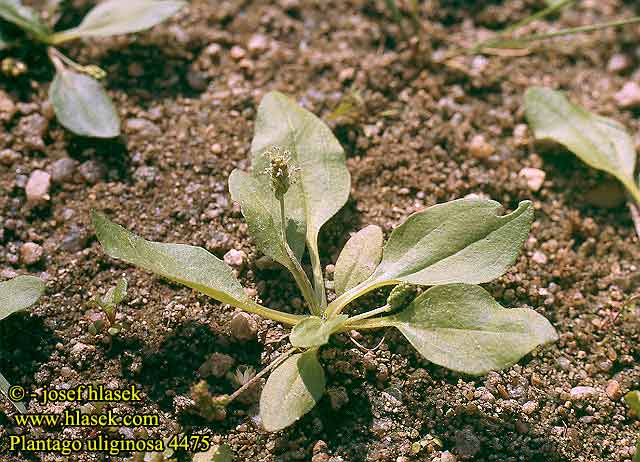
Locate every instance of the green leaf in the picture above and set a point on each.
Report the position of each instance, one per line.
(321, 185)
(116, 294)
(82, 105)
(261, 209)
(358, 259)
(216, 453)
(633, 401)
(115, 17)
(602, 143)
(292, 390)
(4, 388)
(315, 332)
(192, 266)
(24, 17)
(19, 293)
(461, 327)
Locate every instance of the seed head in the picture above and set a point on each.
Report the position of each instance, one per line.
(280, 170)
(401, 294)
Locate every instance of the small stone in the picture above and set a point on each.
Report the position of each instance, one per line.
(480, 148)
(629, 96)
(92, 171)
(216, 365)
(618, 63)
(244, 327)
(320, 447)
(143, 128)
(446, 456)
(582, 393)
(7, 107)
(146, 174)
(37, 188)
(346, 74)
(8, 157)
(258, 43)
(62, 169)
(539, 257)
(237, 53)
(529, 407)
(32, 128)
(520, 135)
(235, 258)
(31, 253)
(613, 390)
(534, 177)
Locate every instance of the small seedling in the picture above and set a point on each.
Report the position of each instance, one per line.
(633, 401)
(292, 191)
(108, 304)
(600, 142)
(17, 294)
(78, 99)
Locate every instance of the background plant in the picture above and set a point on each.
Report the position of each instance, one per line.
(298, 182)
(600, 142)
(78, 99)
(18, 294)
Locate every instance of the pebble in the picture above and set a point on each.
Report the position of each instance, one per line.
(629, 96)
(244, 327)
(62, 169)
(581, 393)
(529, 407)
(31, 253)
(7, 107)
(258, 43)
(480, 148)
(143, 127)
(237, 52)
(520, 135)
(8, 157)
(618, 63)
(534, 177)
(446, 456)
(539, 257)
(613, 390)
(235, 258)
(92, 171)
(37, 188)
(32, 128)
(216, 365)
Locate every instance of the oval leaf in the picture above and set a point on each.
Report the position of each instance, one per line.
(600, 142)
(633, 401)
(315, 332)
(24, 17)
(114, 17)
(189, 265)
(292, 390)
(461, 327)
(82, 105)
(359, 258)
(261, 209)
(19, 293)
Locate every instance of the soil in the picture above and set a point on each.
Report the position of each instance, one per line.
(187, 92)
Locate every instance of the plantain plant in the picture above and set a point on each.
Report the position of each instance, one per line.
(299, 181)
(17, 294)
(78, 99)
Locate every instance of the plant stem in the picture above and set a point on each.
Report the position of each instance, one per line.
(271, 366)
(540, 14)
(577, 30)
(275, 315)
(375, 323)
(336, 306)
(383, 309)
(297, 271)
(318, 278)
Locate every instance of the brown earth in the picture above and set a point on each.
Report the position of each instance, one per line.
(196, 82)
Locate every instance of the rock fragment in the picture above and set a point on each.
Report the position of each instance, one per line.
(37, 188)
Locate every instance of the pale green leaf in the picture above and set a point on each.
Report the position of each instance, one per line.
(461, 327)
(216, 453)
(261, 209)
(321, 183)
(192, 266)
(314, 331)
(19, 293)
(4, 388)
(24, 17)
(115, 295)
(633, 401)
(82, 105)
(600, 142)
(358, 259)
(115, 17)
(292, 390)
